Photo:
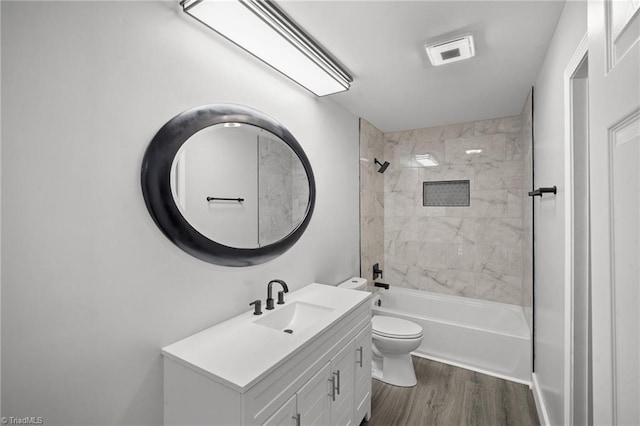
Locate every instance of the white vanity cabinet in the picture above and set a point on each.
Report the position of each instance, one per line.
(322, 379)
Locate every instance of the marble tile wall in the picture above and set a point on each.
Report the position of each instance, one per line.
(371, 199)
(474, 251)
(283, 192)
(527, 208)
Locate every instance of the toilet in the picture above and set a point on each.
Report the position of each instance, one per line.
(393, 341)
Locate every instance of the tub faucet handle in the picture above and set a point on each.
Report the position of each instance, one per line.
(377, 272)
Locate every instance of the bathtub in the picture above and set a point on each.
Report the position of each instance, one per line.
(488, 337)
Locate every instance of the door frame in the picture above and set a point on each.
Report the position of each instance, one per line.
(574, 64)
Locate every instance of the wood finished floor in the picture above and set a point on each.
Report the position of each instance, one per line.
(447, 395)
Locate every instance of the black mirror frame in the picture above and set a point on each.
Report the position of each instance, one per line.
(156, 184)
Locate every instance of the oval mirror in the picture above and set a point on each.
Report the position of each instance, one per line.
(228, 185)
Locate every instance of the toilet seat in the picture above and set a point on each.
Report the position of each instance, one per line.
(395, 328)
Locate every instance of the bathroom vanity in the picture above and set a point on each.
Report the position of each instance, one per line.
(305, 362)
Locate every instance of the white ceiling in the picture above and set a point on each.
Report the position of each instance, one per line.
(396, 88)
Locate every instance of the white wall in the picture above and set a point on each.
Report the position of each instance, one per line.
(91, 289)
(222, 162)
(549, 211)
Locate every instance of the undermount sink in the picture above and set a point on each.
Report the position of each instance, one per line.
(294, 317)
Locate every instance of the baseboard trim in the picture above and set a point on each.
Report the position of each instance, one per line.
(543, 415)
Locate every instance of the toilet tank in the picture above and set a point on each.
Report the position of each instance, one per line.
(355, 283)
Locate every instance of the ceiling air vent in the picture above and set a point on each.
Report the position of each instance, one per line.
(451, 51)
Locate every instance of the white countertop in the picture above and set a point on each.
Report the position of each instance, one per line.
(239, 353)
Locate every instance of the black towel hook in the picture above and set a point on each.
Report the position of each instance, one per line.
(538, 192)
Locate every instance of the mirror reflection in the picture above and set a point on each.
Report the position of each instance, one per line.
(239, 185)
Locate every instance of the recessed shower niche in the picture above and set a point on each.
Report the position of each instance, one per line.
(446, 193)
(228, 184)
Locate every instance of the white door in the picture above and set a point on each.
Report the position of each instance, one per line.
(614, 104)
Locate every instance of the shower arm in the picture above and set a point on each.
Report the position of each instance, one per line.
(383, 166)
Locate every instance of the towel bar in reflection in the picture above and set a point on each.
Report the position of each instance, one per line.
(239, 200)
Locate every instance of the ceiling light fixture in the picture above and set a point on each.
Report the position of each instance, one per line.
(473, 151)
(264, 31)
(451, 51)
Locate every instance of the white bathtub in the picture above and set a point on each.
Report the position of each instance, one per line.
(488, 337)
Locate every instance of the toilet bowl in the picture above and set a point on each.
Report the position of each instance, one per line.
(393, 339)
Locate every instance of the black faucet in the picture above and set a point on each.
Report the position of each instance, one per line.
(285, 289)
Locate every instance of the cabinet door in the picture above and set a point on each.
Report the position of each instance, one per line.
(285, 416)
(363, 375)
(342, 381)
(314, 401)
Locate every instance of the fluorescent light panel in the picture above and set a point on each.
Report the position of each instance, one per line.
(261, 29)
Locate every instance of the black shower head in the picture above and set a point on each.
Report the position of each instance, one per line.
(383, 167)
